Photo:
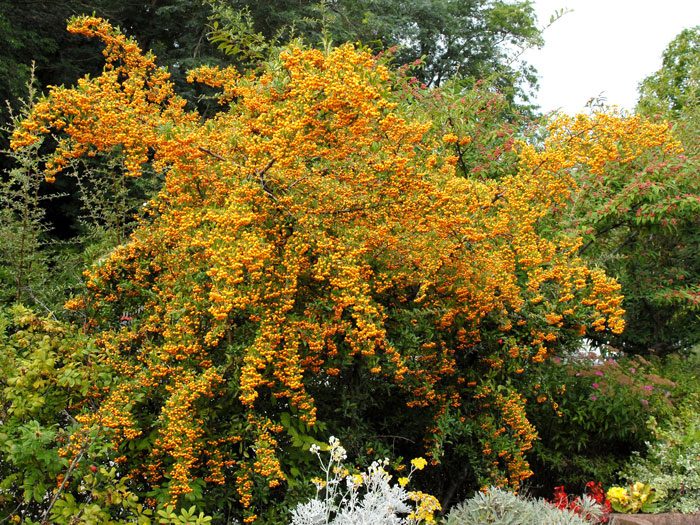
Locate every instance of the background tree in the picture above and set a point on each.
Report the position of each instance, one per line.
(673, 92)
(676, 86)
(472, 39)
(636, 209)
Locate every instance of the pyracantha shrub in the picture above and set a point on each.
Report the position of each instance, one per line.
(593, 414)
(311, 244)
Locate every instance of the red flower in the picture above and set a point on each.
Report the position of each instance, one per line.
(594, 490)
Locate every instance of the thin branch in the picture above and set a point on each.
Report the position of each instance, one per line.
(297, 182)
(212, 153)
(74, 463)
(393, 437)
(263, 183)
(13, 512)
(49, 312)
(69, 416)
(261, 173)
(631, 237)
(598, 234)
(459, 149)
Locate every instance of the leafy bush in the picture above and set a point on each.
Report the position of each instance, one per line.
(313, 245)
(671, 464)
(500, 507)
(684, 370)
(41, 376)
(24, 265)
(590, 414)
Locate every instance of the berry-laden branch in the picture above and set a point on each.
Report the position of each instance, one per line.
(392, 273)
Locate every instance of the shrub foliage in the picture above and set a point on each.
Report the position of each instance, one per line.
(313, 242)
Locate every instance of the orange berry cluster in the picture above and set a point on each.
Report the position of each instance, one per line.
(291, 228)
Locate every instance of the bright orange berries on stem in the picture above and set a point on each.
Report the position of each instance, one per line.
(293, 229)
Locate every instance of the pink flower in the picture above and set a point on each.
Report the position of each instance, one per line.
(595, 385)
(598, 373)
(593, 398)
(645, 401)
(649, 388)
(632, 370)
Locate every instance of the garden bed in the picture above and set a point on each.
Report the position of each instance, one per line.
(671, 518)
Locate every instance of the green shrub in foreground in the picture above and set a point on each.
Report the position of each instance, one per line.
(671, 464)
(591, 414)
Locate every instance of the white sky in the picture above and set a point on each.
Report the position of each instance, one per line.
(604, 46)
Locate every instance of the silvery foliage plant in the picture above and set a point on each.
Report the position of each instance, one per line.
(367, 498)
(499, 507)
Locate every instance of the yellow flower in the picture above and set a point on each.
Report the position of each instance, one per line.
(617, 493)
(355, 479)
(320, 483)
(637, 487)
(419, 463)
(403, 481)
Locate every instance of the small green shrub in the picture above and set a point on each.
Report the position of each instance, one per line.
(671, 464)
(684, 370)
(504, 508)
(590, 414)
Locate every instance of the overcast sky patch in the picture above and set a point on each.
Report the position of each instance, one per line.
(604, 47)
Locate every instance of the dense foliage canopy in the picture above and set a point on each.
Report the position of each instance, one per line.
(472, 39)
(335, 243)
(675, 87)
(308, 237)
(636, 208)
